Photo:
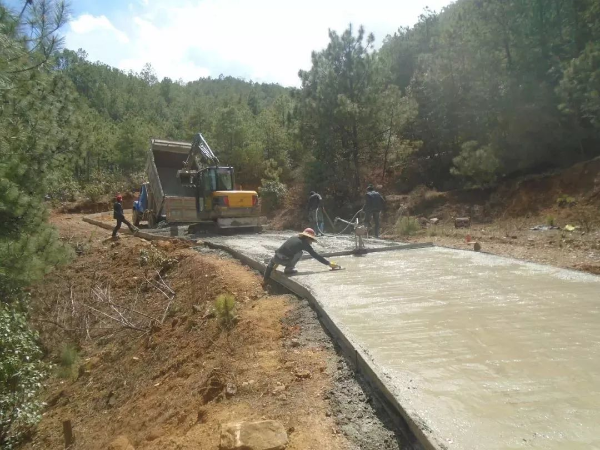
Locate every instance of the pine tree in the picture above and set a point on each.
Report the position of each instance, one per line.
(33, 117)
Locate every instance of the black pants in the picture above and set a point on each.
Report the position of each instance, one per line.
(121, 220)
(375, 216)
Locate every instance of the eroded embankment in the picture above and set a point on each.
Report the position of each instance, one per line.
(154, 384)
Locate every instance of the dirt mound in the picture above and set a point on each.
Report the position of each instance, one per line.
(170, 380)
(88, 206)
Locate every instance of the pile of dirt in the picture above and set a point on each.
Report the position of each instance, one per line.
(105, 203)
(174, 378)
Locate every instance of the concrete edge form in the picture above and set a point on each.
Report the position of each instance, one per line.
(354, 354)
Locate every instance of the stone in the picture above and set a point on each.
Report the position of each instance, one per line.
(295, 343)
(230, 390)
(434, 221)
(279, 389)
(462, 222)
(261, 435)
(302, 374)
(154, 434)
(120, 443)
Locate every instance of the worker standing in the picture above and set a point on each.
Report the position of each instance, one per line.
(118, 214)
(290, 253)
(374, 204)
(315, 212)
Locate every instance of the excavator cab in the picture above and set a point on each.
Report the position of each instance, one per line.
(216, 197)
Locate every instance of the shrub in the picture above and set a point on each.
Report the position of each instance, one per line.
(21, 374)
(565, 201)
(477, 163)
(587, 217)
(407, 226)
(550, 221)
(272, 193)
(94, 191)
(225, 310)
(68, 358)
(63, 189)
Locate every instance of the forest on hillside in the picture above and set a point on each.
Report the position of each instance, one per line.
(481, 91)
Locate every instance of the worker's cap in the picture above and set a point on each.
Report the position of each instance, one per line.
(309, 233)
(370, 187)
(119, 197)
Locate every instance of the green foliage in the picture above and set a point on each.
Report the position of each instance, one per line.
(225, 310)
(68, 358)
(35, 121)
(579, 88)
(338, 112)
(565, 201)
(21, 375)
(156, 259)
(93, 191)
(272, 191)
(476, 163)
(550, 221)
(33, 124)
(520, 78)
(407, 226)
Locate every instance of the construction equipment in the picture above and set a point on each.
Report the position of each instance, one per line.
(186, 185)
(360, 231)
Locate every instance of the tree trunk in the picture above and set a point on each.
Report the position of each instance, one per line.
(355, 150)
(387, 148)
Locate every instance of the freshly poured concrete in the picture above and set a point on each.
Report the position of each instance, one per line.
(480, 351)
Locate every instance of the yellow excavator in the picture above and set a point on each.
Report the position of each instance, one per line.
(186, 185)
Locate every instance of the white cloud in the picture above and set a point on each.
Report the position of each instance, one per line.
(263, 40)
(86, 24)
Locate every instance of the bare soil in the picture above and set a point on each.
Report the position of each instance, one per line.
(171, 385)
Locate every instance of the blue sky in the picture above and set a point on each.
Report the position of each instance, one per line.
(261, 40)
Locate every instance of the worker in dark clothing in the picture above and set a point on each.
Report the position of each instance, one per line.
(118, 214)
(315, 212)
(290, 253)
(374, 204)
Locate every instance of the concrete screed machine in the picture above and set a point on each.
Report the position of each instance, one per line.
(186, 185)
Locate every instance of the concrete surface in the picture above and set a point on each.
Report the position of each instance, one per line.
(480, 352)
(262, 246)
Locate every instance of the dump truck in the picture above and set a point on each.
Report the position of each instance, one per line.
(186, 185)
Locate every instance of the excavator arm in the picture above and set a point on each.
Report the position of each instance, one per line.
(200, 157)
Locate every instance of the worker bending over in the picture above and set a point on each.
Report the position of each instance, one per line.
(118, 214)
(315, 212)
(374, 204)
(290, 253)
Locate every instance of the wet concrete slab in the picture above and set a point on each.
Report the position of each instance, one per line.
(483, 352)
(262, 246)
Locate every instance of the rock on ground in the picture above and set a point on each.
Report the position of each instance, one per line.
(262, 435)
(120, 443)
